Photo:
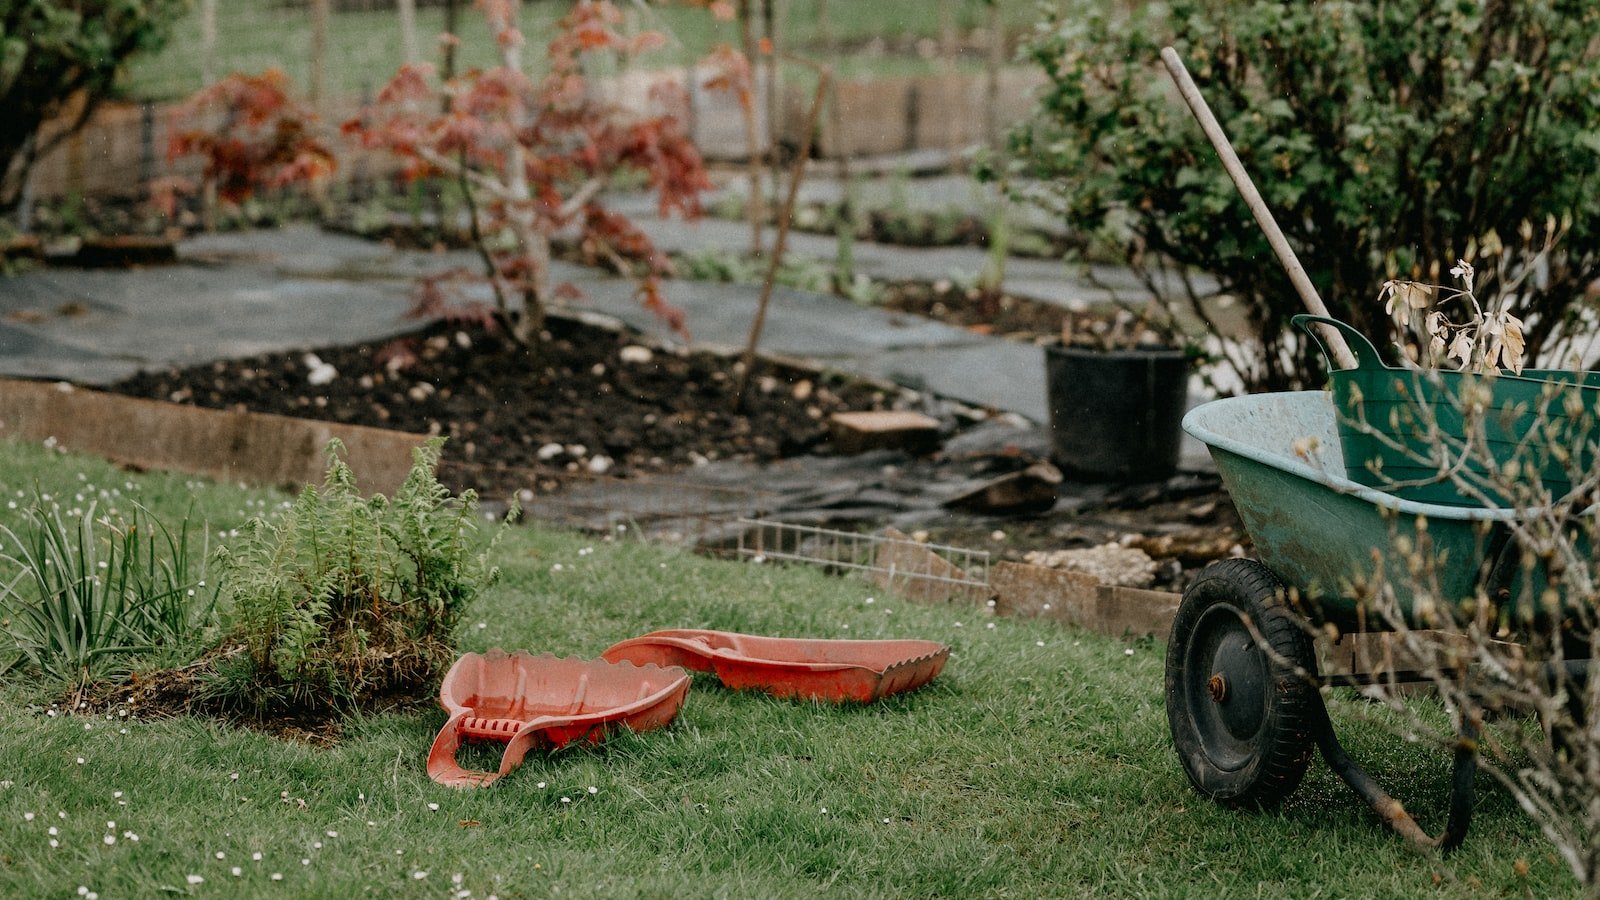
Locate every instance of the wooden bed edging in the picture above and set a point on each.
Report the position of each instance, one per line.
(254, 448)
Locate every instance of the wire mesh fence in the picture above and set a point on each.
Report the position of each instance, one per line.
(730, 521)
(911, 568)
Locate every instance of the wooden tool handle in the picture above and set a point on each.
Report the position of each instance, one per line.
(1258, 207)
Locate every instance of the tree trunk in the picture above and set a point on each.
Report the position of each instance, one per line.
(769, 25)
(533, 244)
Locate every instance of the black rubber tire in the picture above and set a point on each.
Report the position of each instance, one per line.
(1251, 748)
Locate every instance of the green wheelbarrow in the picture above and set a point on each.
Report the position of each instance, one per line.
(1323, 484)
(1242, 689)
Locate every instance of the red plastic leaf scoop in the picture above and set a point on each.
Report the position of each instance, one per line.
(523, 701)
(831, 670)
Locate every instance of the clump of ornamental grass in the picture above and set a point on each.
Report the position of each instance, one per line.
(91, 592)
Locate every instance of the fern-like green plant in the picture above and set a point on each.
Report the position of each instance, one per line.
(347, 597)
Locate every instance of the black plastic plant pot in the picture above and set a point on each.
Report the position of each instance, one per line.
(1115, 414)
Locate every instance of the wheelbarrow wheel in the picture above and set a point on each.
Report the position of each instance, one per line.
(1242, 719)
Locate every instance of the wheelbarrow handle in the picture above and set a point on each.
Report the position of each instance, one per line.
(1366, 355)
(1463, 769)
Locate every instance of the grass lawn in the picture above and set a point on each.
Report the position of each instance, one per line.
(1037, 765)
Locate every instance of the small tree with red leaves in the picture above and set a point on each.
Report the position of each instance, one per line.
(533, 157)
(264, 139)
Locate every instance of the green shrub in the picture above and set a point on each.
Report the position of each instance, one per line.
(55, 52)
(346, 598)
(89, 591)
(1386, 137)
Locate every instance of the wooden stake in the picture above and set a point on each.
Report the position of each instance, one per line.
(452, 26)
(770, 32)
(1258, 206)
(408, 29)
(319, 55)
(756, 208)
(208, 42)
(797, 174)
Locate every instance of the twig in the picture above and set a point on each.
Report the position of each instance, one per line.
(478, 244)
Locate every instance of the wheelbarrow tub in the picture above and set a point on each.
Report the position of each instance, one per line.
(1319, 530)
(831, 670)
(1397, 425)
(528, 701)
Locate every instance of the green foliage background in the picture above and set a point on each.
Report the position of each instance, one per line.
(1389, 138)
(53, 50)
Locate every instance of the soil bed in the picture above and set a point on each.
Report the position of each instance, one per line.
(169, 693)
(590, 399)
(1006, 315)
(592, 404)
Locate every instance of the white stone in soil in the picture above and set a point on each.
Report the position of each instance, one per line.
(318, 373)
(549, 451)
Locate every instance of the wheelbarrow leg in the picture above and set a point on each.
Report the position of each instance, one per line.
(1391, 811)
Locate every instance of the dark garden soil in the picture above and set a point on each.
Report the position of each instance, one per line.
(590, 399)
(576, 406)
(169, 693)
(988, 312)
